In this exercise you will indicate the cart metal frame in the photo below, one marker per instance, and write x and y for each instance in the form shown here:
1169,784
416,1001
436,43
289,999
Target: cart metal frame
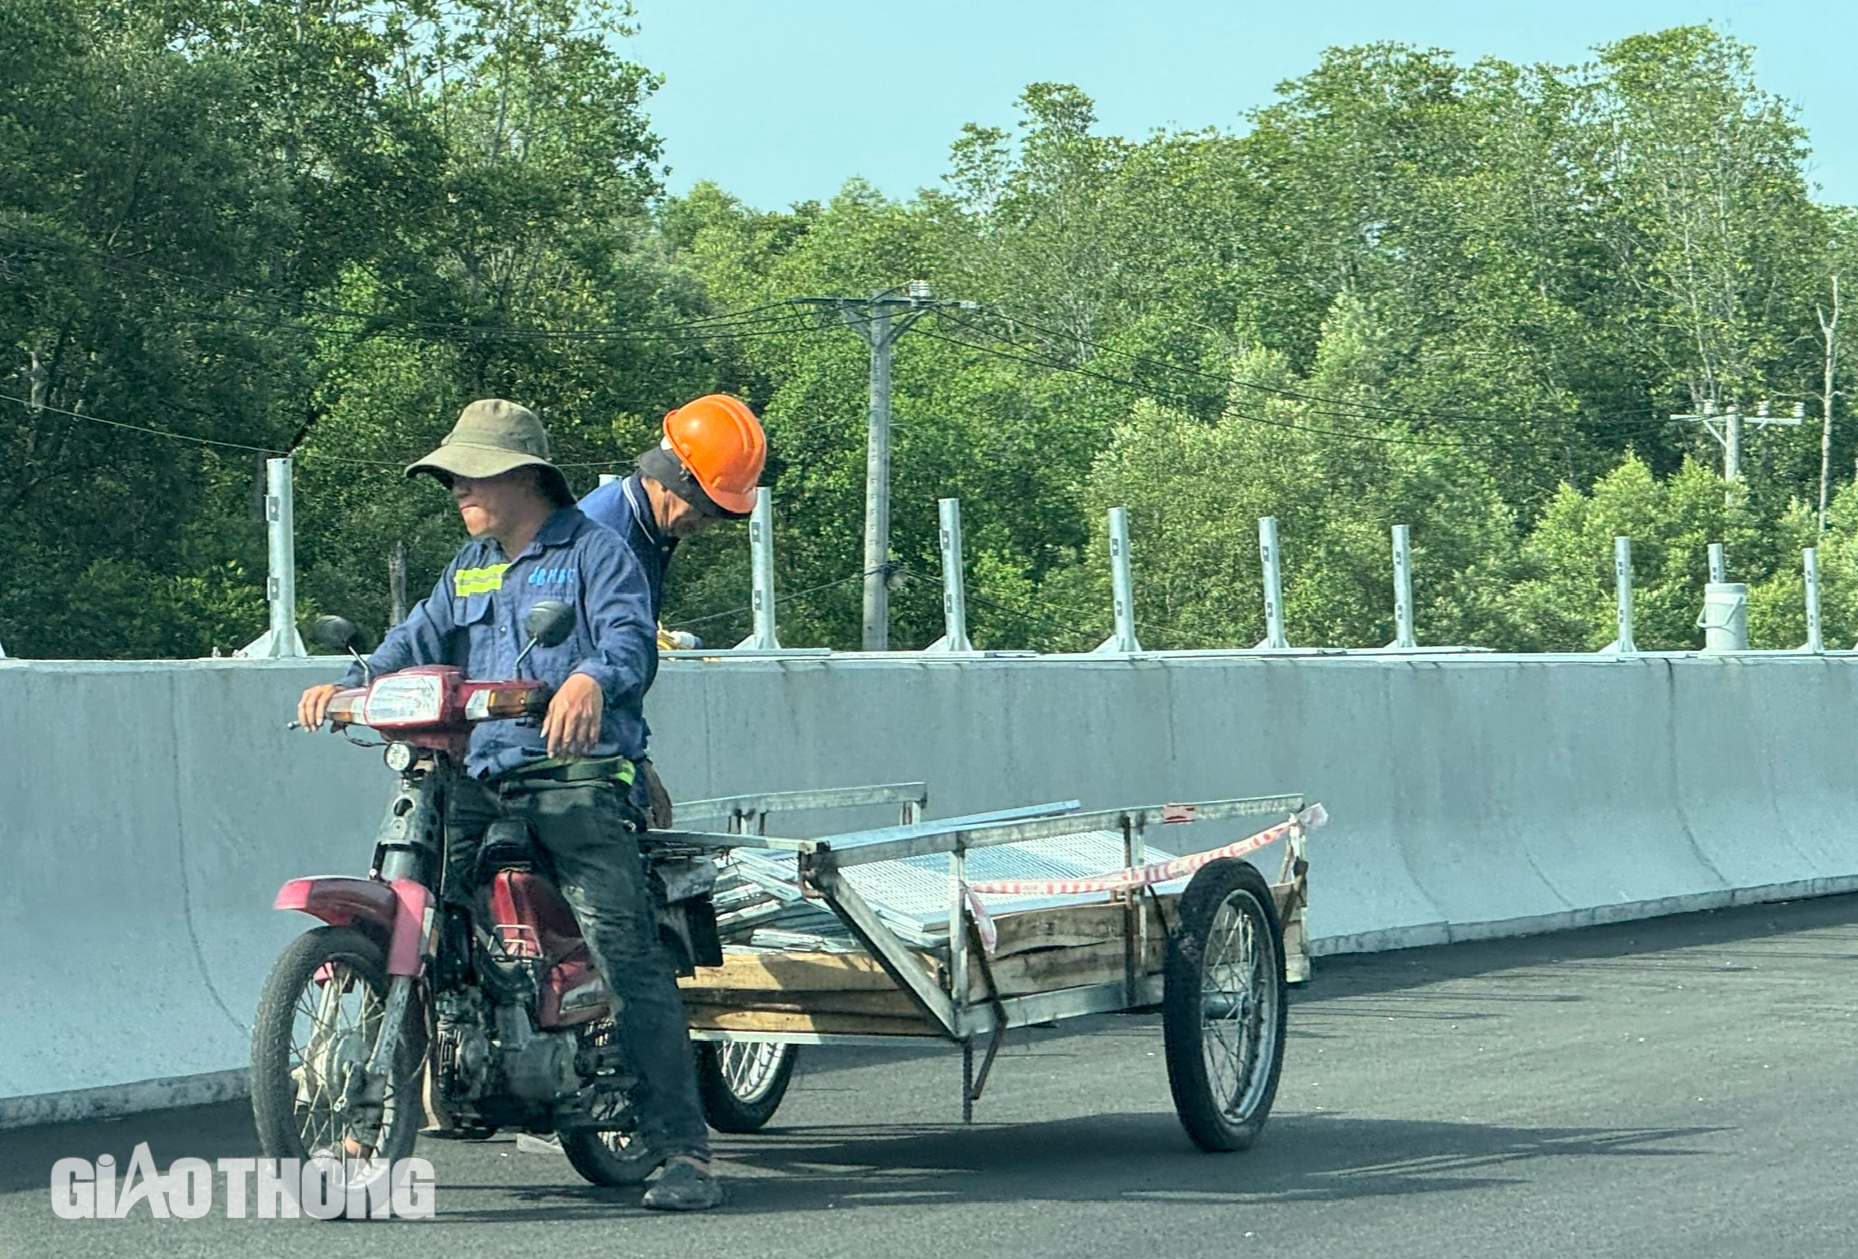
944,998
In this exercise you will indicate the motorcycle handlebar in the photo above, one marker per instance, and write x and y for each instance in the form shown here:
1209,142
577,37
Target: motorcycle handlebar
532,706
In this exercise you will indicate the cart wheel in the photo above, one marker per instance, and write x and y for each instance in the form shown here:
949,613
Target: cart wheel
1223,1006
742,1082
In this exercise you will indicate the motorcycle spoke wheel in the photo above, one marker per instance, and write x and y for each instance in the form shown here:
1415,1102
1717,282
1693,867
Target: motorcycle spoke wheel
741,1083
320,1017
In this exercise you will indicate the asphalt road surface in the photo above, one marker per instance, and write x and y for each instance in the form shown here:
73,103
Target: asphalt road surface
1681,1087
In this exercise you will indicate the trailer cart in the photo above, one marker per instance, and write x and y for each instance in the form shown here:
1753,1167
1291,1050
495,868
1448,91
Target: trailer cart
961,929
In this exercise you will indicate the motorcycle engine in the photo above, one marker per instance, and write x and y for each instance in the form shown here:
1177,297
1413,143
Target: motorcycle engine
462,1051
536,1066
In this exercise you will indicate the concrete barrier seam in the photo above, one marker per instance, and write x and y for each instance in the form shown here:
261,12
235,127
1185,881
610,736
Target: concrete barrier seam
187,886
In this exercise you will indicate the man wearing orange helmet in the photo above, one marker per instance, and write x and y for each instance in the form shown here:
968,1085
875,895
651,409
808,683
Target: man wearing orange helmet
703,471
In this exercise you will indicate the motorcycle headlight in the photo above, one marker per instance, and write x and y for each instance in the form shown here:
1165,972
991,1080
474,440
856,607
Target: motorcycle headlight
404,701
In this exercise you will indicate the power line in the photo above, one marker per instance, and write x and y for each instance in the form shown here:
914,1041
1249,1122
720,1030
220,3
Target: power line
142,428
1348,409
879,320
798,594
766,319
1229,411
1519,434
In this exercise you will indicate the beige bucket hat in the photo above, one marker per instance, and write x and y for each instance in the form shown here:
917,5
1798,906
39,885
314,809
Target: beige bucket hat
494,436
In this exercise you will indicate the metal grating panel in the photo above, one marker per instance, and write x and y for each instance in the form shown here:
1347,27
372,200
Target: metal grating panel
912,895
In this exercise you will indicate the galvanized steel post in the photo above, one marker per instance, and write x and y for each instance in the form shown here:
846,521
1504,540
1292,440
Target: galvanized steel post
1273,585
1815,643
1622,593
761,573
281,543
1403,588
1122,586
954,586
1719,567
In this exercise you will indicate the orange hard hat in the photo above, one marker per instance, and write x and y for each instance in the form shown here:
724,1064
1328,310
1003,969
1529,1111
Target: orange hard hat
719,440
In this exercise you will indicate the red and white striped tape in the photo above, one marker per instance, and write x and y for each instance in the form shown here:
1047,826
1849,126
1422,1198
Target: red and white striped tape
1135,876
1159,872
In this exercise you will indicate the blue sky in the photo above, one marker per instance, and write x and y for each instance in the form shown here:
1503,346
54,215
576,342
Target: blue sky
784,100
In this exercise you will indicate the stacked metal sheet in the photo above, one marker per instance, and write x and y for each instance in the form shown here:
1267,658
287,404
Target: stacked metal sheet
759,903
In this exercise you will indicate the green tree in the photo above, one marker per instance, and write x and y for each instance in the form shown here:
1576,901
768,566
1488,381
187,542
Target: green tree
1566,603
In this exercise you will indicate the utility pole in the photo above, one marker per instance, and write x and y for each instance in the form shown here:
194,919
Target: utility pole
880,319
1829,329
1726,428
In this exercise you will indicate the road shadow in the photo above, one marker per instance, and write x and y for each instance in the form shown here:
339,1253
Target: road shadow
1134,1158
221,1130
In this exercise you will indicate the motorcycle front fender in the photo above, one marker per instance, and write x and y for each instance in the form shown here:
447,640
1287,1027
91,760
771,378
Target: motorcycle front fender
400,912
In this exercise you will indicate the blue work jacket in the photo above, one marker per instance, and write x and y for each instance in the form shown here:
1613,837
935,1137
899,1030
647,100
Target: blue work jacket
623,507
474,619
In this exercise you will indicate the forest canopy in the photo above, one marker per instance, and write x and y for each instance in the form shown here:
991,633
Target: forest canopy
1469,297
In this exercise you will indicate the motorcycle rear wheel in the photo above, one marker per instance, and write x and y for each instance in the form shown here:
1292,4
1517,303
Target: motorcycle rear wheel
606,1156
319,1016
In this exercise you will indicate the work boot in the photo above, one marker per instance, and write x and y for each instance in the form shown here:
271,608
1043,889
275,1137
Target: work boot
684,1184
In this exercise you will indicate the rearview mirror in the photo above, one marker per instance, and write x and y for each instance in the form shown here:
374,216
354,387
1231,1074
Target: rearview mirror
335,633
549,622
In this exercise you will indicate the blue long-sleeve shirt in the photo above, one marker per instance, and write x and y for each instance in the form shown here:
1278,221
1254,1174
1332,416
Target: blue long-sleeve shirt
624,507
474,619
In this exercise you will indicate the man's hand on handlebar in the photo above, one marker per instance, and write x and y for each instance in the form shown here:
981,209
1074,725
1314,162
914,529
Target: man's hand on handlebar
313,706
572,726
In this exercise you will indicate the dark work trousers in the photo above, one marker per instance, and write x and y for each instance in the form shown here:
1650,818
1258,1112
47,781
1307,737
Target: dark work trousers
588,831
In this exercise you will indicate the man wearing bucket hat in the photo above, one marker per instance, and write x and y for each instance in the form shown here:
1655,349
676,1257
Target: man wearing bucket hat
570,778
703,471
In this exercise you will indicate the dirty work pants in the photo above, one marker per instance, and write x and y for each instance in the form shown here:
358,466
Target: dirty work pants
587,830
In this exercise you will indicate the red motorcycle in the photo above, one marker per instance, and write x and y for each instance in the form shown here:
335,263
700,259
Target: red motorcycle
402,1013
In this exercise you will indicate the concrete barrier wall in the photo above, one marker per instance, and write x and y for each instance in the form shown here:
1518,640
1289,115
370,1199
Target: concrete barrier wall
148,812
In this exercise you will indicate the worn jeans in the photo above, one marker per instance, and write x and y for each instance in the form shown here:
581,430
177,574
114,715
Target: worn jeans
588,831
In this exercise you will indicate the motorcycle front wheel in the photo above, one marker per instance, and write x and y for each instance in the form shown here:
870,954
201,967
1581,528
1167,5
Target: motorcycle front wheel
319,1018
741,1083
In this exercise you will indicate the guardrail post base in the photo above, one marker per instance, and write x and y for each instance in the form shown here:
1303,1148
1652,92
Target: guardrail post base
282,640
1622,644
1122,587
954,582
1404,636
761,573
1268,558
